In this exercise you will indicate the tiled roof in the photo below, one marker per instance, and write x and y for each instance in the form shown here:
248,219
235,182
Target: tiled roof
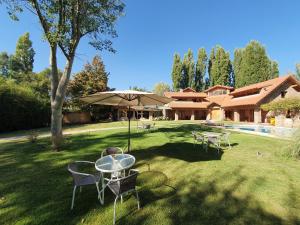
267,88
218,99
185,94
188,105
219,87
251,98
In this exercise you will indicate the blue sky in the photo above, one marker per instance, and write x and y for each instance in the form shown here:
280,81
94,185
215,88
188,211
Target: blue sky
152,30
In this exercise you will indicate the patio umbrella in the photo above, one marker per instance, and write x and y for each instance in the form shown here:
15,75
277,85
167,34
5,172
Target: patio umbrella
128,98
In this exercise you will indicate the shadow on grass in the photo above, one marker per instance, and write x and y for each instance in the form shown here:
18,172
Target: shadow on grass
208,203
36,188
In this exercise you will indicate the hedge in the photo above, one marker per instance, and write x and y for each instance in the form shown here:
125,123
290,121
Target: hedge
21,108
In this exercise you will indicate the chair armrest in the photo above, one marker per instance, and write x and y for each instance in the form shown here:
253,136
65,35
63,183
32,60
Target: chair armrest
133,170
90,162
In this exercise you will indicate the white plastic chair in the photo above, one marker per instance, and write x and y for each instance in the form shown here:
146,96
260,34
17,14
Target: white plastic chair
198,138
214,140
225,138
83,179
124,186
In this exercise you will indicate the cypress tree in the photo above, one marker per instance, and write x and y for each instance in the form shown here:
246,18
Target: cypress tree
255,65
176,72
298,71
210,64
237,61
220,67
200,70
188,70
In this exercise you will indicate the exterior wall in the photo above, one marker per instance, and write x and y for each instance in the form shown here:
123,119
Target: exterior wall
77,118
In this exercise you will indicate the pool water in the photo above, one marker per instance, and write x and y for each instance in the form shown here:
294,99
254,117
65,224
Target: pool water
264,129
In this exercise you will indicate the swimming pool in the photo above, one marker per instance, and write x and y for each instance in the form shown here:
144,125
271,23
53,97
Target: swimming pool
263,130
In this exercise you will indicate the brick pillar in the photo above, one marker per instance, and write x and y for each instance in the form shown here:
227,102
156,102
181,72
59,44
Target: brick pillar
150,115
208,115
257,115
193,115
236,116
176,115
118,115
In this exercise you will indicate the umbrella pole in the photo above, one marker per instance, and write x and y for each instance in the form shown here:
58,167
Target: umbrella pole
129,129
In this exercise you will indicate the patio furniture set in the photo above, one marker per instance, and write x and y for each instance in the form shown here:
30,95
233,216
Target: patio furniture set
110,172
214,138
145,127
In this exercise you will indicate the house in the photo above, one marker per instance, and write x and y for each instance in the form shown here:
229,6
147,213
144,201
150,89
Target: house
223,102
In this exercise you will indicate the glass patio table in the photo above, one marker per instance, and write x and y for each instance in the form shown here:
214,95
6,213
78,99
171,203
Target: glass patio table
113,164
211,134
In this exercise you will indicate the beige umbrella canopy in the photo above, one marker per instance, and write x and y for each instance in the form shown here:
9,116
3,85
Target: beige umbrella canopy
127,98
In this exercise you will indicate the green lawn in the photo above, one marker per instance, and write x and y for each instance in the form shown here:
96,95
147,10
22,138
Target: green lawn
233,187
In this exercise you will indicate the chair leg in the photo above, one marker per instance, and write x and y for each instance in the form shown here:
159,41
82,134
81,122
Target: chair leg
99,194
73,197
229,144
122,199
114,222
138,199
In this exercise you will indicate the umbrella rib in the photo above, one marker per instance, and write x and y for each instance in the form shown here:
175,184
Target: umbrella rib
101,99
154,99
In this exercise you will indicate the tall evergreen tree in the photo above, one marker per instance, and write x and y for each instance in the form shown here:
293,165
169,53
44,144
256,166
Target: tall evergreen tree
188,70
200,70
237,61
220,67
24,55
211,61
176,72
254,66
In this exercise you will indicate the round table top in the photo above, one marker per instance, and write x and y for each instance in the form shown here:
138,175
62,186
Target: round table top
114,163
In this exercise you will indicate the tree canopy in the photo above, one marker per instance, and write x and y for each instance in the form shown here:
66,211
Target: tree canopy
176,72
160,88
64,24
252,65
200,70
219,67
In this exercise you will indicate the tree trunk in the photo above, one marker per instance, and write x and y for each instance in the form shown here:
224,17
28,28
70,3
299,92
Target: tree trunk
58,92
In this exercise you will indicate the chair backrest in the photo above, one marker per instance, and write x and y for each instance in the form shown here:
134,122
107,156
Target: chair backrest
77,176
226,135
213,139
111,151
122,185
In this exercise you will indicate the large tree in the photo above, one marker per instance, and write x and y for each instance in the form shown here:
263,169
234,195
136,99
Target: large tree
220,69
93,78
64,24
253,65
176,72
160,88
188,70
200,70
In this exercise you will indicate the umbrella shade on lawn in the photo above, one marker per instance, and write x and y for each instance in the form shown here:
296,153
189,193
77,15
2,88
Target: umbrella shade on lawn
128,98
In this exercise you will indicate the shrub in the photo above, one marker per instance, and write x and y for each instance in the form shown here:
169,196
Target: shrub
22,108
283,105
293,149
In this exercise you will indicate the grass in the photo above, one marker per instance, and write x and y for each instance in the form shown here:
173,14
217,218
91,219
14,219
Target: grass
87,127
186,185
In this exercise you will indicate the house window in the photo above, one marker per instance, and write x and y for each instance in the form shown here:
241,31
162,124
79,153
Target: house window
283,93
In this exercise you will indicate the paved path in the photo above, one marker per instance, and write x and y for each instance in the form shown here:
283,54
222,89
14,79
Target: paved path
47,134
65,133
